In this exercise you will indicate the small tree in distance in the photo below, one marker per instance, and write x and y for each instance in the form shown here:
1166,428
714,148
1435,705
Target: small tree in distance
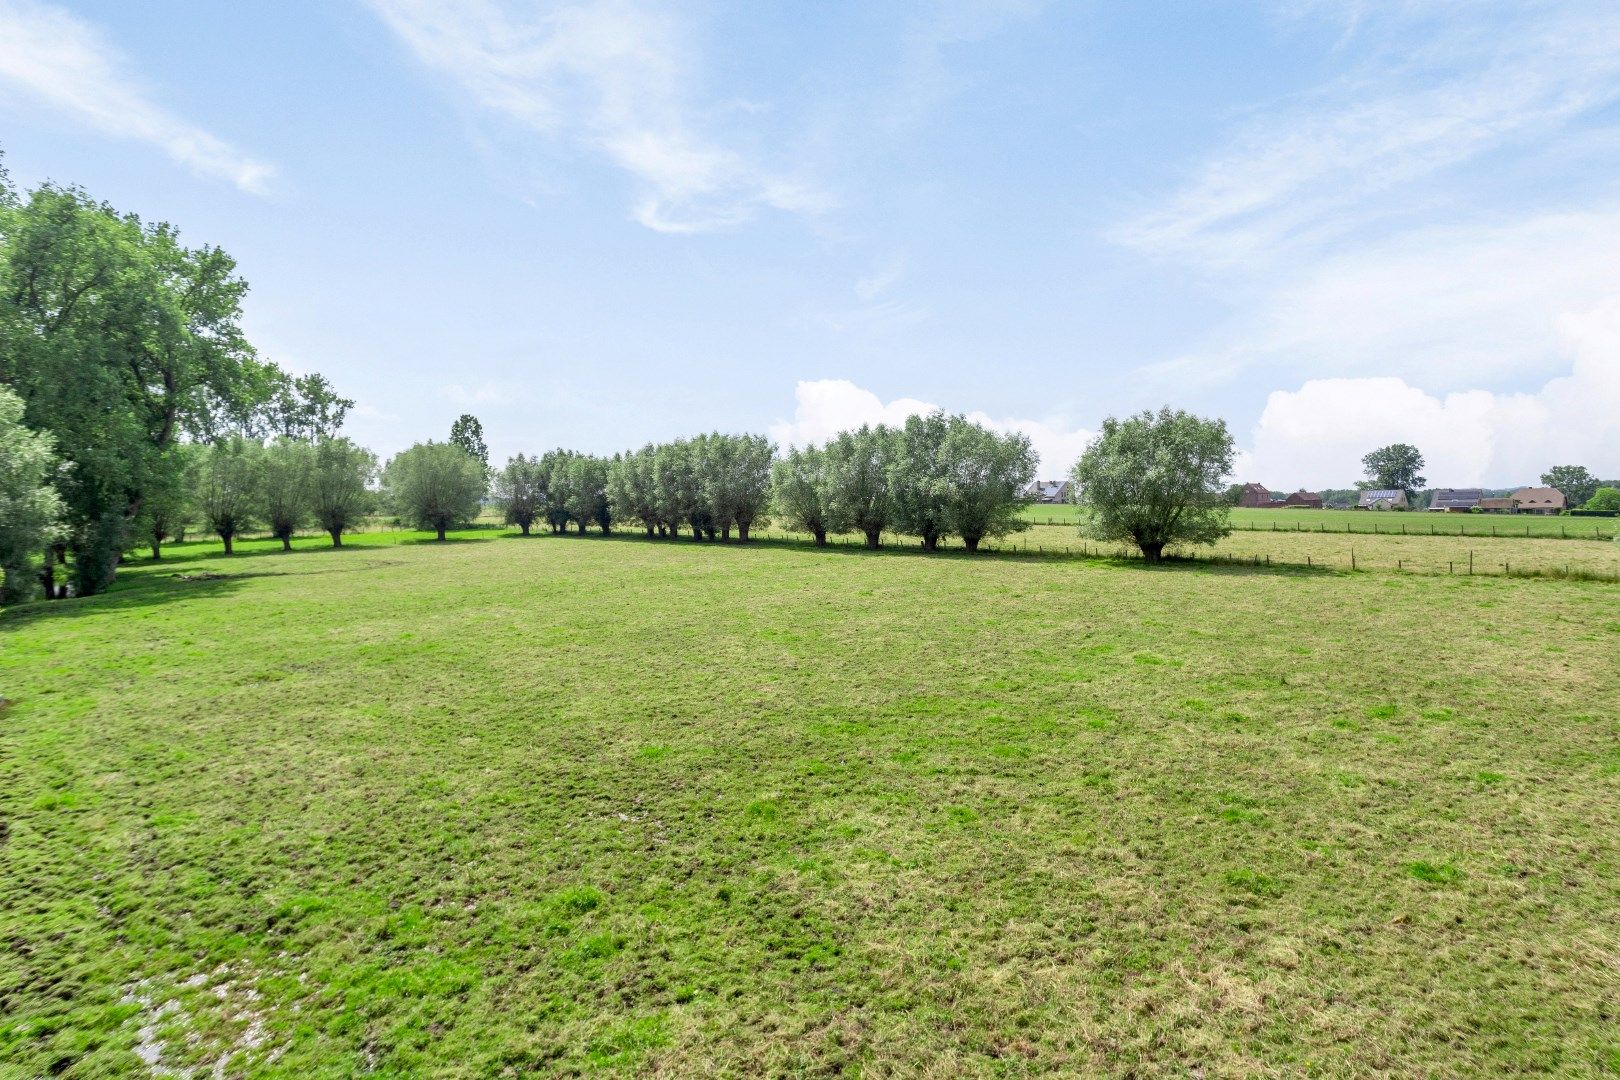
340,486
468,434
1157,479
434,485
1604,498
1394,468
520,489
1575,481
990,475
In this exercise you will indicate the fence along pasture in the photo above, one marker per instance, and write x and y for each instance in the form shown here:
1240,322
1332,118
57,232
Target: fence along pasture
1495,530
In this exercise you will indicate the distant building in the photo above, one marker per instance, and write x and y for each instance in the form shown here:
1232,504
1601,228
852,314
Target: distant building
1382,499
1309,499
1456,500
1255,495
1496,505
1538,500
1051,491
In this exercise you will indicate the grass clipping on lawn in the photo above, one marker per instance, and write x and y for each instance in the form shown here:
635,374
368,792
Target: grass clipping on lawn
565,804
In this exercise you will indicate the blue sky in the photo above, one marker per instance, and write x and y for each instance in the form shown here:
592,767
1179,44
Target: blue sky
1335,223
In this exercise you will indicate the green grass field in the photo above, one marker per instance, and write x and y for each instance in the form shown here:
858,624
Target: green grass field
571,805
1385,523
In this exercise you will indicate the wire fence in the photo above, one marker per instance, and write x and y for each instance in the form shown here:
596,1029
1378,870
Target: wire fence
1494,529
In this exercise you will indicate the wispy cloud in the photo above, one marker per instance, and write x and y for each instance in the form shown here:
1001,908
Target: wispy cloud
52,58
1345,154
609,74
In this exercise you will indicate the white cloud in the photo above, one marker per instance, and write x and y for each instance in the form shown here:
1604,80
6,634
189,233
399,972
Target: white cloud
50,57
1490,76
824,407
488,392
611,75
1317,434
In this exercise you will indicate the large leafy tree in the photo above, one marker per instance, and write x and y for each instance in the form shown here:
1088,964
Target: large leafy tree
736,481
287,467
1575,481
1604,498
340,492
558,479
860,466
120,341
468,434
678,486
631,488
801,485
1397,467
1157,479
435,485
520,490
229,487
989,477
30,508
921,478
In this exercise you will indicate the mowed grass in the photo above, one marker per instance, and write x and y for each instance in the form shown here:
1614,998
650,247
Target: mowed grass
1409,523
576,805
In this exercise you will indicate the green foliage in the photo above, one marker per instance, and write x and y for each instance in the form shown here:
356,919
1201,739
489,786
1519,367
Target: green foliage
989,476
230,487
1394,467
520,490
1156,480
921,478
801,485
339,486
1575,481
434,485
468,434
168,507
632,488
121,342
287,467
30,508
1603,498
860,467
305,407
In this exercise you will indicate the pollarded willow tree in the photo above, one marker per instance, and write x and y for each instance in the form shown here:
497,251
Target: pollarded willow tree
735,478
860,466
1157,479
990,475
921,477
631,488
167,506
284,476
340,494
801,487
30,509
585,492
229,487
519,488
435,485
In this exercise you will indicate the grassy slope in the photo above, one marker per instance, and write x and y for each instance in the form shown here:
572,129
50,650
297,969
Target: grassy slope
574,803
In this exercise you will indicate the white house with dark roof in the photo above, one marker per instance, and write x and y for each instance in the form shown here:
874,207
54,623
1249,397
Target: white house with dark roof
1382,499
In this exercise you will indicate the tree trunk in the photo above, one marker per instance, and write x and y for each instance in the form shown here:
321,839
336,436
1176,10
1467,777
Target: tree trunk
230,548
930,541
742,532
157,551
524,525
651,532
47,574
1152,552
874,538
440,528
725,532
337,537
821,537
970,542
286,543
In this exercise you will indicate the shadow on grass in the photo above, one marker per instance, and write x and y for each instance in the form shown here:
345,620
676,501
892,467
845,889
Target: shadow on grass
1170,563
138,592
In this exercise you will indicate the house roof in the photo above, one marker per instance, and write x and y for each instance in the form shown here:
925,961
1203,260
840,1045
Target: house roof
1539,496
1380,494
1457,497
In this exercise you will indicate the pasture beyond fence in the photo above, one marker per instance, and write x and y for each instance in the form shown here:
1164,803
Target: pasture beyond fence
1542,529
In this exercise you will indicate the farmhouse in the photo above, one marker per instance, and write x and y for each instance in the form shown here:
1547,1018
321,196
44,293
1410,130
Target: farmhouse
1051,491
1538,500
1308,499
1382,499
1255,495
1456,500
1496,506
